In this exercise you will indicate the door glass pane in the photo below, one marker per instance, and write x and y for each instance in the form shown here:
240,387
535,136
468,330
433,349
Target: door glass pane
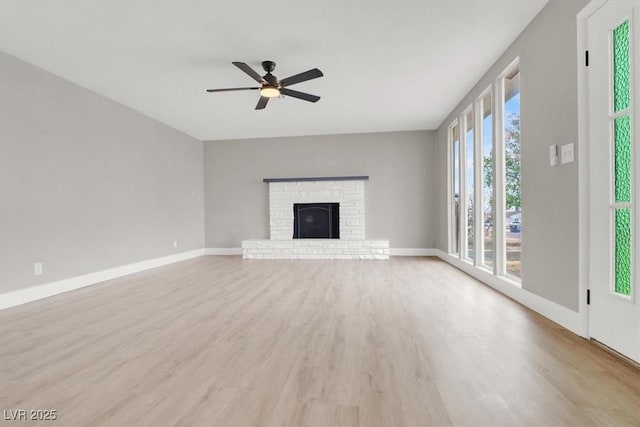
469,181
622,164
513,235
456,189
621,67
623,251
622,156
487,174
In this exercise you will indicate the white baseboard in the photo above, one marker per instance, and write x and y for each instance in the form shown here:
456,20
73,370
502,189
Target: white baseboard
223,251
394,251
559,314
22,296
414,252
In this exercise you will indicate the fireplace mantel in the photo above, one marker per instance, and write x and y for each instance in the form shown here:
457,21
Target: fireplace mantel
317,178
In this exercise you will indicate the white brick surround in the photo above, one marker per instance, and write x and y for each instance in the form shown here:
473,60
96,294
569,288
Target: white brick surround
350,195
348,192
315,249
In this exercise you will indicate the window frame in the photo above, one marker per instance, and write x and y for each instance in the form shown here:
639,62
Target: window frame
501,242
464,230
451,187
497,91
479,172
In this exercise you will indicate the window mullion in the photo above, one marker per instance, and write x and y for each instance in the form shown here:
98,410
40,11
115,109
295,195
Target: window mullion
450,189
478,211
499,266
463,186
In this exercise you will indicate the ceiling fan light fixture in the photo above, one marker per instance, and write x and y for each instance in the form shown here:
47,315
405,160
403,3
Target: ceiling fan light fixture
269,91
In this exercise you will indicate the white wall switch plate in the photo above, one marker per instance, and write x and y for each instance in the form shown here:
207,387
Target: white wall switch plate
175,243
567,153
553,155
37,268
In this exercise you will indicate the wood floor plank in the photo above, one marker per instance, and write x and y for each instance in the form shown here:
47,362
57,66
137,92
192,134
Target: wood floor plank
219,341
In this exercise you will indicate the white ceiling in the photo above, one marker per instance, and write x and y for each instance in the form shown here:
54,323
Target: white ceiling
388,65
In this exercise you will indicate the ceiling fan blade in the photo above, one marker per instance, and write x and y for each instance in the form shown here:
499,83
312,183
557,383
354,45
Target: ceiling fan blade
262,102
232,89
250,71
302,77
299,95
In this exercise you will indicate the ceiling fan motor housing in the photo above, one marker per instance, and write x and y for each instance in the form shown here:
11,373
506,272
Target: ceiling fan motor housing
268,66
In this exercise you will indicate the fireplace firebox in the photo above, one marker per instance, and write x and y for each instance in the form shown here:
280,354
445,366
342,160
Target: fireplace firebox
316,220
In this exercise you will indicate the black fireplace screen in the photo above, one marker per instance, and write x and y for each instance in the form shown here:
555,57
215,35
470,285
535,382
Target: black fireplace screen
316,221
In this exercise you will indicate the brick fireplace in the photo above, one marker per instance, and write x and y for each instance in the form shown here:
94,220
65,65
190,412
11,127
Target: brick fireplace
347,193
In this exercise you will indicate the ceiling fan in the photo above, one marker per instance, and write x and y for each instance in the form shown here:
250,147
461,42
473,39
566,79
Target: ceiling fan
271,87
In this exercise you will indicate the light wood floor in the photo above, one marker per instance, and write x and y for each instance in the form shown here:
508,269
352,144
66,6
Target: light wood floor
222,341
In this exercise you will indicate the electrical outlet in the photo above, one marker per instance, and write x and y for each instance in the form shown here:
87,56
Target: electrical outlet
37,268
175,243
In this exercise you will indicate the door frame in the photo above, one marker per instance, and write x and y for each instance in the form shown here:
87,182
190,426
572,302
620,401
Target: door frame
583,165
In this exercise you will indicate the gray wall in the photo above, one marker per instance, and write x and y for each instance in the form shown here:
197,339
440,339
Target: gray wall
87,184
400,194
548,63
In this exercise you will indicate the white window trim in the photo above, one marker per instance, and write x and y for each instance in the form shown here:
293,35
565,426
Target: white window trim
464,235
450,188
479,177
499,176
496,89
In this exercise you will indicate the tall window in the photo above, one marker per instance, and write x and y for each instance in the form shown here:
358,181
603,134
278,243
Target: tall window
513,209
469,183
455,197
486,223
488,219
